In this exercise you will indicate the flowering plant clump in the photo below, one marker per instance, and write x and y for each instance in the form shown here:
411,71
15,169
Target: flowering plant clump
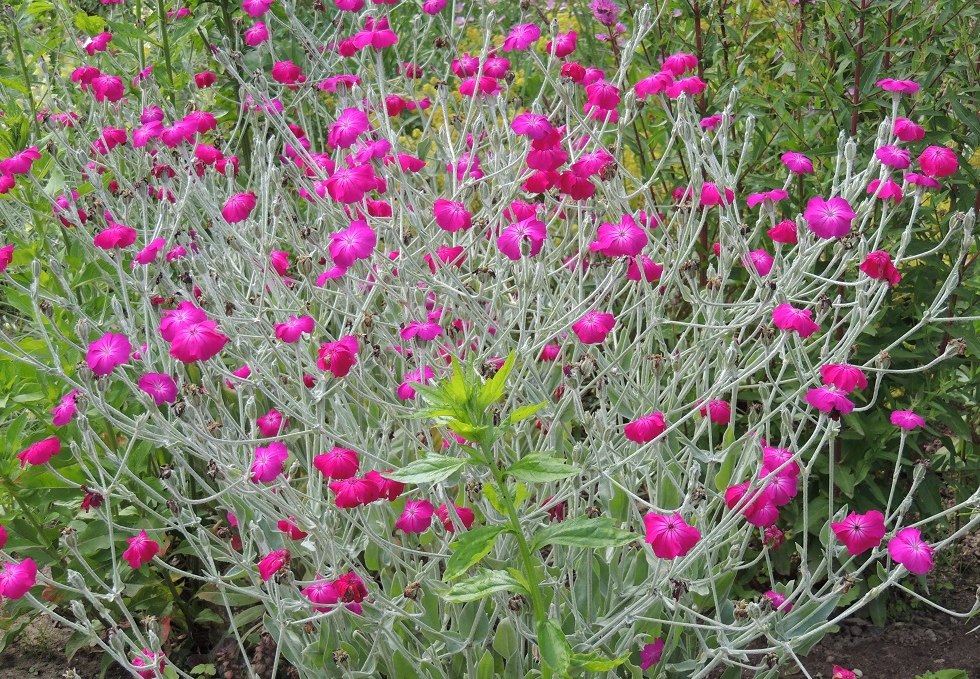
414,373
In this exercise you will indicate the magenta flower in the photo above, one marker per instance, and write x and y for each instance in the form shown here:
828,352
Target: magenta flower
532,125
292,330
186,313
115,236
416,518
465,514
154,662
269,462
606,12
389,489
845,377
256,34
898,86
829,218
425,331
646,428
256,8
141,550
655,83
6,257
878,265
718,411
337,464
908,549
860,532
63,413
160,386
451,216
594,327
885,190
643,268
651,653
353,243
521,37
893,156
433,7
351,123
921,180
197,341
107,352
841,673
907,420
770,197
679,63
670,535
760,261
563,44
40,452
205,79
354,492
907,131
938,161
788,317
338,357
757,506
272,563
3,536
711,195
829,400
525,237
289,527
781,488
238,207
271,423
376,34
150,252
797,163
17,578
107,87
405,391
779,601
20,163
618,240
322,594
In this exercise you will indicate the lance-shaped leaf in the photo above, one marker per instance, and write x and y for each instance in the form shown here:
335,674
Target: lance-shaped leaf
469,548
541,467
430,469
493,388
482,585
584,532
555,649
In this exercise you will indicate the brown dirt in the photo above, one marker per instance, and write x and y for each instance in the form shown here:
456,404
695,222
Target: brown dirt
39,653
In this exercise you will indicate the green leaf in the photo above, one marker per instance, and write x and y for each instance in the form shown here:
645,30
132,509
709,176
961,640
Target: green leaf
469,548
540,467
555,651
525,412
430,469
584,532
483,585
493,388
724,475
594,662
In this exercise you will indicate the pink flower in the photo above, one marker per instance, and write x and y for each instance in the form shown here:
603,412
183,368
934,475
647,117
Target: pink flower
160,386
416,518
272,563
617,240
256,34
115,236
829,400
718,411
6,257
150,252
788,317
829,218
779,601
186,313
338,357
643,268
63,413
141,550
679,62
322,594
759,509
760,261
3,537
337,464
525,237
433,7
770,197
651,653
908,549
350,124
451,216
376,34
465,514
16,579
878,265
197,341
841,673
238,207
426,331
893,157
353,243
845,377
563,44
938,161
670,535
594,327
898,86
921,180
107,352
860,532
692,87
271,423
885,190
154,662
906,130
107,88
354,492
711,195
423,376
521,37
269,461
41,452
907,420
532,125
797,163
287,73
20,163
289,527
256,8
646,428
292,330
388,489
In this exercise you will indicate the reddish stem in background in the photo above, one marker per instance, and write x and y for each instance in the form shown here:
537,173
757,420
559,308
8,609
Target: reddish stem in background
858,58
